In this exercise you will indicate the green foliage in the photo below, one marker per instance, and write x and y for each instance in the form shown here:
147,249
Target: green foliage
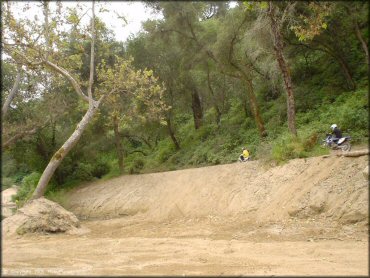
83,172
136,166
8,165
165,150
290,147
57,196
100,169
6,183
349,111
26,188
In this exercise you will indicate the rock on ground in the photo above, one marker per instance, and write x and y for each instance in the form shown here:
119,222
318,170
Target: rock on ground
40,216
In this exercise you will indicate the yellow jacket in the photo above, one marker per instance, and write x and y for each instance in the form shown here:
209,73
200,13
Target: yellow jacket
245,154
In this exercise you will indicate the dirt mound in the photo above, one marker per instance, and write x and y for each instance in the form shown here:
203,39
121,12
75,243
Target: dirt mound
40,216
325,187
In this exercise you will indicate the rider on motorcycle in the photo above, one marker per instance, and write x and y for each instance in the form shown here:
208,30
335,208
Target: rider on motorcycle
337,133
245,155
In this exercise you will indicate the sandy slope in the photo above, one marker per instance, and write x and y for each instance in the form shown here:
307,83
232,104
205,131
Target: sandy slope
331,187
308,217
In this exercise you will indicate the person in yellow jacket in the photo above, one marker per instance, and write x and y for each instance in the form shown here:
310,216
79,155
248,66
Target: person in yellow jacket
244,156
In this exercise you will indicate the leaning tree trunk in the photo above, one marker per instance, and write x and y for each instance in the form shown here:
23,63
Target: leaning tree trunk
13,91
172,133
278,47
254,106
214,102
62,152
196,105
363,42
351,83
119,148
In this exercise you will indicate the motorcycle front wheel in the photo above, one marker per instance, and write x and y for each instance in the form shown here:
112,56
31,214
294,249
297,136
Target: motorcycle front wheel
346,147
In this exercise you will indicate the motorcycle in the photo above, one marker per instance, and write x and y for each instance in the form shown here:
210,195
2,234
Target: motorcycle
342,144
242,159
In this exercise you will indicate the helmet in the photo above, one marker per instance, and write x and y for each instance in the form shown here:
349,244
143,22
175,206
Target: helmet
333,126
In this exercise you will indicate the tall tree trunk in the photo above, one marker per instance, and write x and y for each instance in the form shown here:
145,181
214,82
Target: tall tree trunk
245,107
58,157
172,133
352,13
362,41
196,105
254,106
278,47
214,102
351,83
12,92
118,142
54,127
245,77
338,53
170,127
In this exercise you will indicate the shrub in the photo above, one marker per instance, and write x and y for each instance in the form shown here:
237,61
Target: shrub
137,165
165,150
9,166
310,142
100,169
57,196
6,183
83,172
27,187
288,147
213,159
204,132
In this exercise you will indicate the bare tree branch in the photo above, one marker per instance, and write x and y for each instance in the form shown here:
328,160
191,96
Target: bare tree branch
14,53
13,91
23,134
46,26
66,74
92,55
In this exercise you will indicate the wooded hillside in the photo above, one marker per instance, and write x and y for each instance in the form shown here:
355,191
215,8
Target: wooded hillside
190,89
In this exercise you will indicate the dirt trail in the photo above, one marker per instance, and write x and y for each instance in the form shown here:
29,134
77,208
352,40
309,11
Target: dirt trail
308,217
7,205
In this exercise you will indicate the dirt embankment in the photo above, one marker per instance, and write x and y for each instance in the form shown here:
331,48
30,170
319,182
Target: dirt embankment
319,187
308,217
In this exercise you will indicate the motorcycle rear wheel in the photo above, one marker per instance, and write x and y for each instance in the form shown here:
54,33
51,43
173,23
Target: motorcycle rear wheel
345,146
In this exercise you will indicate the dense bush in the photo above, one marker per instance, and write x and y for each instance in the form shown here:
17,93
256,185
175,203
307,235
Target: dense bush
83,172
27,187
100,169
6,183
137,165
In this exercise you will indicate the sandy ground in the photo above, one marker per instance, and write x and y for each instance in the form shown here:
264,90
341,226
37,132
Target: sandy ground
193,247
308,217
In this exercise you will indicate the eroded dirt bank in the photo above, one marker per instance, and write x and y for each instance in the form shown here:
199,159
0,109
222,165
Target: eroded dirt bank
308,217
332,187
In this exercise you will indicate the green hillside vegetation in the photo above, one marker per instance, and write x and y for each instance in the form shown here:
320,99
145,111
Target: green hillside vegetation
209,59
